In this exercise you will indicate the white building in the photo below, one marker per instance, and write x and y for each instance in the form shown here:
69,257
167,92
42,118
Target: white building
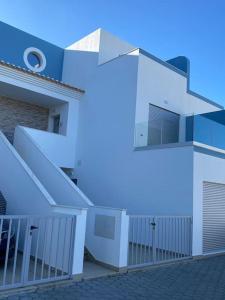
121,123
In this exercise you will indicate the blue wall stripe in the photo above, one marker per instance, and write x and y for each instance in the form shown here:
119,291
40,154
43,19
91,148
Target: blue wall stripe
15,41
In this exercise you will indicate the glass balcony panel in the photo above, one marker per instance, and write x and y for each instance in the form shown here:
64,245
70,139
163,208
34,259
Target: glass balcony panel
207,129
170,132
156,133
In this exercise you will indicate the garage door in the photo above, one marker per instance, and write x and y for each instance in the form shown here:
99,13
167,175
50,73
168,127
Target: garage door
213,217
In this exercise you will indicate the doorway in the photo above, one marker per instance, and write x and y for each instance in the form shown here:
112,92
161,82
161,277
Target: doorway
56,123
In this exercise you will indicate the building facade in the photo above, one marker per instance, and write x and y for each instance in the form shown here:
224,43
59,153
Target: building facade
121,124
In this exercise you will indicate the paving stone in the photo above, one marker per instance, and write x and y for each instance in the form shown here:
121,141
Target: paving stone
196,280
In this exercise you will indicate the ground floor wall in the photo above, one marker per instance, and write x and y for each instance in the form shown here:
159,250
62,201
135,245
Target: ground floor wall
209,166
13,113
155,182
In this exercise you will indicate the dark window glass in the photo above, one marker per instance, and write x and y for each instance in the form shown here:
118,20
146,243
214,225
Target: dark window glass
56,123
163,126
34,60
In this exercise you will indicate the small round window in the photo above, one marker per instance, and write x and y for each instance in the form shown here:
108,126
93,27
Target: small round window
34,59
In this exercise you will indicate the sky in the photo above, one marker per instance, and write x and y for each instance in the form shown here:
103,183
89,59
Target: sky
165,28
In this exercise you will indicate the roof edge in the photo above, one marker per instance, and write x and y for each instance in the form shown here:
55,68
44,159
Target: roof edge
205,99
41,76
162,62
186,75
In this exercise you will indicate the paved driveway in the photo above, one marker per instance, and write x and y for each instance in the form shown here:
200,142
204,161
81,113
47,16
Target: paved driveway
200,280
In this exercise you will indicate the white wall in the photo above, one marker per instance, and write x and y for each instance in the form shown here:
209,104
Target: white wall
107,45
79,67
207,167
24,193
111,251
118,92
111,46
58,184
58,148
88,43
82,58
163,87
109,171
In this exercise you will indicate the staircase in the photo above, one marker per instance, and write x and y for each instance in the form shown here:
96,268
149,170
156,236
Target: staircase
35,186
56,182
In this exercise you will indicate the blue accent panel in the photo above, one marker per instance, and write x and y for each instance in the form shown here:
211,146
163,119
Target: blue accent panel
15,42
217,116
189,128
207,129
209,152
181,62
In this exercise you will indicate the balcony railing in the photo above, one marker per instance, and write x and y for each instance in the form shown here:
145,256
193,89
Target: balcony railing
156,133
207,129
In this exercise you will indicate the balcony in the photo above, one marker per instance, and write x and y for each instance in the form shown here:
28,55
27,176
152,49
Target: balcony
156,133
208,129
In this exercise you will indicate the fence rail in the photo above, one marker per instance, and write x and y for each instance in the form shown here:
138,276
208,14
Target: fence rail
157,239
35,249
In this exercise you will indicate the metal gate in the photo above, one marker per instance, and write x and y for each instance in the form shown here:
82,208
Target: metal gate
157,239
35,249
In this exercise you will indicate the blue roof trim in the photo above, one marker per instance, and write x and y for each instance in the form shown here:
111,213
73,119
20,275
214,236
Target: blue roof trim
209,152
3,63
204,99
162,62
17,41
186,75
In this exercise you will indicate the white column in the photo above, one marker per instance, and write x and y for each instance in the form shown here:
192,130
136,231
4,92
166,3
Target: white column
78,237
79,241
124,240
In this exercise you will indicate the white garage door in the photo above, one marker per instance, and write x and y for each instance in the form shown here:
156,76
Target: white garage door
213,217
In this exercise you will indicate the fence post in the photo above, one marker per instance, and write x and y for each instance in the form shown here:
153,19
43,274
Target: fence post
124,240
79,241
153,224
26,253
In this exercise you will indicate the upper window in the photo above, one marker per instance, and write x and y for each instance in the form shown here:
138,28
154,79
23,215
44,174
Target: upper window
34,59
163,126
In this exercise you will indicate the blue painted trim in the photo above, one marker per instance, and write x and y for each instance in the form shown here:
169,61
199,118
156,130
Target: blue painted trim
189,129
16,41
204,99
186,75
209,152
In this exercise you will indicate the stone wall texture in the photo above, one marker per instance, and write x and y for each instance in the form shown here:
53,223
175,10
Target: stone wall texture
13,113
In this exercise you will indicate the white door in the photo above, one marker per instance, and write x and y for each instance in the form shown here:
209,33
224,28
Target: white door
213,217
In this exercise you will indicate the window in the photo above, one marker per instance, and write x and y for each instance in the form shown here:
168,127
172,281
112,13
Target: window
56,123
34,59
163,126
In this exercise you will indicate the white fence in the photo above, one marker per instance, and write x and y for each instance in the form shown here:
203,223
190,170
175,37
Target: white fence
156,239
35,249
